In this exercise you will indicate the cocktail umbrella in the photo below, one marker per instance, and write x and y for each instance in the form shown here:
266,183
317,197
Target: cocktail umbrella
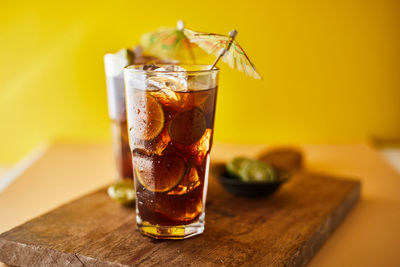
169,44
225,47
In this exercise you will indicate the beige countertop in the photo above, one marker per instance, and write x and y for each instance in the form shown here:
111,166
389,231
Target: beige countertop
369,236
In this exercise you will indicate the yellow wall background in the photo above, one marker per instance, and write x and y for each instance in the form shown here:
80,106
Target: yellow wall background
330,68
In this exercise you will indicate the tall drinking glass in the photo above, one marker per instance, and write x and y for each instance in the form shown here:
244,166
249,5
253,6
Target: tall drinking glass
114,65
170,114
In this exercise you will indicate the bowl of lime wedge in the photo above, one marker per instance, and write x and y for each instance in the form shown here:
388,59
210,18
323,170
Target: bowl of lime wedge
248,177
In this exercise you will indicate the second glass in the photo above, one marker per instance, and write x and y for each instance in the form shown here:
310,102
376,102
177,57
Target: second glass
170,115
114,65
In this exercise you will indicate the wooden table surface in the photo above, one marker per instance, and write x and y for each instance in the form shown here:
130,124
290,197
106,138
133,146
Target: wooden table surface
369,236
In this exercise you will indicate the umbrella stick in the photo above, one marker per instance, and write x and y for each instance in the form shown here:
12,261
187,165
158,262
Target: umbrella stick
232,34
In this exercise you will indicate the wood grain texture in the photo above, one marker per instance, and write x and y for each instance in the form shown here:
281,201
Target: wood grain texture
285,229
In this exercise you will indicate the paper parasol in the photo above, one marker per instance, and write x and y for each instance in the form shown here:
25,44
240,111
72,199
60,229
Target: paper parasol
226,47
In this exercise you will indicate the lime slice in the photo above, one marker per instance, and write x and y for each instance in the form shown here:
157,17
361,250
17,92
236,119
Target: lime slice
147,118
188,126
257,171
249,170
159,173
123,192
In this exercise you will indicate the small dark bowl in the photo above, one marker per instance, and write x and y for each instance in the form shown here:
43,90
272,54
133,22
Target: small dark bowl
249,189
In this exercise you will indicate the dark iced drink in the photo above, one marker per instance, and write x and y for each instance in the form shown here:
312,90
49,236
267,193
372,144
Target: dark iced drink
170,111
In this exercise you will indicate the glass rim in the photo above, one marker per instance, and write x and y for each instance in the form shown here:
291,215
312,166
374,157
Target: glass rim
135,69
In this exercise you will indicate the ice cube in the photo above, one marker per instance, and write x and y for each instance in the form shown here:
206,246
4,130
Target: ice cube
171,68
150,147
201,82
200,149
190,182
163,83
149,67
176,77
166,90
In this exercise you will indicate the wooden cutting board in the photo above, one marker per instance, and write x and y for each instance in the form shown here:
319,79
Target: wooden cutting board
285,229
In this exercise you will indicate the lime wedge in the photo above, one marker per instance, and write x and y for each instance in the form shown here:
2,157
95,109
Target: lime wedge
123,192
